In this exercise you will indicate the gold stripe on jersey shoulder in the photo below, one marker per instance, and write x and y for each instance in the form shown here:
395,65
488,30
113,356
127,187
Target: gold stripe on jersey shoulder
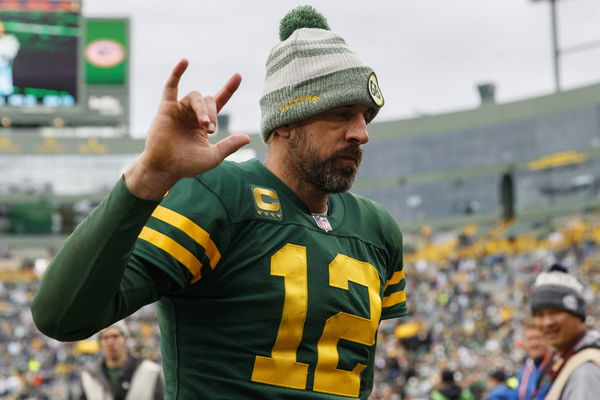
174,249
394,299
396,278
191,229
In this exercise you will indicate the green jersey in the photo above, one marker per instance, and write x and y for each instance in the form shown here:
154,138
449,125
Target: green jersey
271,301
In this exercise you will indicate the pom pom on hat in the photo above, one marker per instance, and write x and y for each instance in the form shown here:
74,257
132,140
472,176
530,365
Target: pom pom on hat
558,267
301,17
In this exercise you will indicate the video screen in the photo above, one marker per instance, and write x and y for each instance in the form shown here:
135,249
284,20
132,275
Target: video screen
38,58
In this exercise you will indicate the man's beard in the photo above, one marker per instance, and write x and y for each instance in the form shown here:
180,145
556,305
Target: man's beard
323,173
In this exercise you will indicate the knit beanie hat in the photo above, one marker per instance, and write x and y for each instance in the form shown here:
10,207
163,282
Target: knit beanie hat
558,289
120,325
313,70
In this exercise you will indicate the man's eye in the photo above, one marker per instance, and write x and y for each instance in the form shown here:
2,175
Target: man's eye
343,115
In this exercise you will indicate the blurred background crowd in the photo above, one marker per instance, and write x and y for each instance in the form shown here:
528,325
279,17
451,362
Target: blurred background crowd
468,297
33,366
467,292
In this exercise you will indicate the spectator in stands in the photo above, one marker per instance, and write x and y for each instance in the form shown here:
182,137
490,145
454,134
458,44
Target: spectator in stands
449,389
539,354
558,306
499,389
119,374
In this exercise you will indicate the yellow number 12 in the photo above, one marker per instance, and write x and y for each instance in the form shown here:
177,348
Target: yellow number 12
282,369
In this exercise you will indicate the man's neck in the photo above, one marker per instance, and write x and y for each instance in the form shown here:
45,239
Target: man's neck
565,350
117,362
539,360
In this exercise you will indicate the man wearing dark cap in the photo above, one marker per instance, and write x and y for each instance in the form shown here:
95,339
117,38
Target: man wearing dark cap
448,389
558,307
498,387
270,278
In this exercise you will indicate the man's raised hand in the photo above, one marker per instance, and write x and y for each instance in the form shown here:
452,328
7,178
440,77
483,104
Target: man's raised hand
177,144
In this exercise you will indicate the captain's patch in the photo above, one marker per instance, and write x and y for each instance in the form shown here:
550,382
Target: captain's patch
266,203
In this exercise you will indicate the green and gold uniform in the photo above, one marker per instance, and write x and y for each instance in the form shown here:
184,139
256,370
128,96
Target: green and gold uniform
261,303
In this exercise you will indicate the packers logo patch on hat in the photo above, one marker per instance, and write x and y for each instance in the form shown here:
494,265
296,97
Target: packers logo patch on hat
570,302
374,90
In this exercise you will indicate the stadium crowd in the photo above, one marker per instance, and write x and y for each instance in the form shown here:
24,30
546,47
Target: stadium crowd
467,291
468,298
33,366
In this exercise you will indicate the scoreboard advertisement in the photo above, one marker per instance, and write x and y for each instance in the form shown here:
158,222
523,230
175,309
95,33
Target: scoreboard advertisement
105,53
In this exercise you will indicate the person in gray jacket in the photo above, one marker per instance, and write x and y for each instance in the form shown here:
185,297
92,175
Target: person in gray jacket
558,307
119,375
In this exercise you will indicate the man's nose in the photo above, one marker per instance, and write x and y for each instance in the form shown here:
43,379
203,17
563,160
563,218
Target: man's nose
357,131
544,320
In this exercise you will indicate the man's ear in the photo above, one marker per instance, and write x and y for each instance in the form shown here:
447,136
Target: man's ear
283,131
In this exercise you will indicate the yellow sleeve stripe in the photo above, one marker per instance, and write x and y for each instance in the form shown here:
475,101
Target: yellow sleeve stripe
191,229
174,249
394,298
396,278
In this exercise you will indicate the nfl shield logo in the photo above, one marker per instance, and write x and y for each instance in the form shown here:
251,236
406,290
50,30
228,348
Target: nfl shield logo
322,222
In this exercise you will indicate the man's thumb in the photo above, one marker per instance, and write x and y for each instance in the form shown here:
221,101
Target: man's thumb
231,144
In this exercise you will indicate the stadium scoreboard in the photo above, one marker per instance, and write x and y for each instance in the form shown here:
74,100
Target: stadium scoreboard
60,69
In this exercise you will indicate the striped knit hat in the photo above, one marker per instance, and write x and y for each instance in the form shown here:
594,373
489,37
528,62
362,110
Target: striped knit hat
558,289
313,70
120,325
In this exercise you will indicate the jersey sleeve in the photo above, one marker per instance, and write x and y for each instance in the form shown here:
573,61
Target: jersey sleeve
394,295
185,233
92,282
